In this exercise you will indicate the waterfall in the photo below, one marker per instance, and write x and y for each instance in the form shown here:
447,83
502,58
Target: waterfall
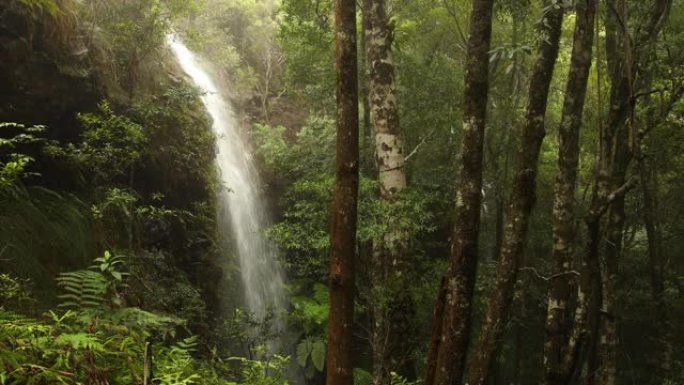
242,211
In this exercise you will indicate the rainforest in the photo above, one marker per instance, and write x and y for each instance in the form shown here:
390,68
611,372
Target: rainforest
342,192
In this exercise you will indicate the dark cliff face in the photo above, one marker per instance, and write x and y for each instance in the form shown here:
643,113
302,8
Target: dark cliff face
44,69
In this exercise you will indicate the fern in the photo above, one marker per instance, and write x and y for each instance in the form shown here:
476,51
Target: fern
175,366
80,341
93,288
14,326
188,344
84,289
137,319
40,226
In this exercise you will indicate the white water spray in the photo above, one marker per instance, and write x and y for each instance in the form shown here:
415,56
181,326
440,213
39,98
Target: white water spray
241,205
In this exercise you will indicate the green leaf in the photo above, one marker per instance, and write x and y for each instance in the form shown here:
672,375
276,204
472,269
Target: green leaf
318,355
303,352
362,377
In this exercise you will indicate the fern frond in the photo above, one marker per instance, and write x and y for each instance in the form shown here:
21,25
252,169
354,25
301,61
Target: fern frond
80,341
82,289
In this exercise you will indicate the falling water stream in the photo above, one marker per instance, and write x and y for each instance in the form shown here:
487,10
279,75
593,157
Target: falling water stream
242,211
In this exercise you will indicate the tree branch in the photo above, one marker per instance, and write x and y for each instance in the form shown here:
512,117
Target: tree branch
413,152
603,204
549,278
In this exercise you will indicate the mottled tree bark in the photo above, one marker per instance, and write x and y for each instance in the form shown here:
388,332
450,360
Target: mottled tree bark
522,198
391,303
384,111
345,197
460,278
564,199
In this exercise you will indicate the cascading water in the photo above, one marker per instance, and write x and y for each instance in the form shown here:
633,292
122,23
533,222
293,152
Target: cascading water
241,204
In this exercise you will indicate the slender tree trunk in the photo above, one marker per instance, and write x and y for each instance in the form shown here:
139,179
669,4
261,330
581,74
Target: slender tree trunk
500,146
345,197
564,198
614,158
460,278
648,177
619,143
499,213
650,215
612,255
657,270
520,369
392,307
364,85
437,323
583,346
521,201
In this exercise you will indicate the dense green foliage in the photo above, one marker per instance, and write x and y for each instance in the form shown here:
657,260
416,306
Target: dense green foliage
104,145
99,339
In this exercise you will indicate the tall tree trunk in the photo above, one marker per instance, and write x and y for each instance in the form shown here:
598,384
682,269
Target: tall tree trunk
437,324
648,177
391,307
564,197
614,157
648,181
364,87
619,142
454,335
582,345
522,198
657,270
385,114
608,316
345,200
499,214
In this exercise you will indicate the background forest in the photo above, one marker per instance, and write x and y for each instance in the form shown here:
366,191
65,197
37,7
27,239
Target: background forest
113,269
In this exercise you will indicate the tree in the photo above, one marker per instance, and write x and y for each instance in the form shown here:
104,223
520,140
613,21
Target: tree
345,197
391,302
564,198
522,197
450,341
648,181
628,61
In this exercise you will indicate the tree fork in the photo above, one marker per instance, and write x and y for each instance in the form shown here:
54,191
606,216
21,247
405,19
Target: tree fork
564,196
